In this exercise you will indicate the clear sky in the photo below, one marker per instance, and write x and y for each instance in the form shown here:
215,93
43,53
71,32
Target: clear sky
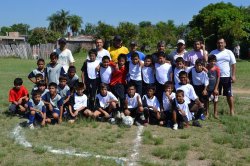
35,12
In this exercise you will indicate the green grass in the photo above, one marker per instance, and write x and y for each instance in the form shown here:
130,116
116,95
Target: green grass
219,142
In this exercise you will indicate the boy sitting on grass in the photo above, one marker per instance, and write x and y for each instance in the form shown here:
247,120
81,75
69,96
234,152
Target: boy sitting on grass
133,106
54,104
105,103
78,103
18,96
37,110
180,111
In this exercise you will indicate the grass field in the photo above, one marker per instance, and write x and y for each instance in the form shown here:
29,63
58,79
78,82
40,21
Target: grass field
219,142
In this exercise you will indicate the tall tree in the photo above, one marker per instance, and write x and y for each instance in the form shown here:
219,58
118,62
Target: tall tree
59,21
128,31
23,29
105,31
90,29
75,23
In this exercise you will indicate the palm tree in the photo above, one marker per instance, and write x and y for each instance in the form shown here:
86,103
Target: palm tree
75,23
59,21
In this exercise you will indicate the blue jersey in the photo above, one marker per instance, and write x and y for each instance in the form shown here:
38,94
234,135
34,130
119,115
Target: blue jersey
35,72
39,106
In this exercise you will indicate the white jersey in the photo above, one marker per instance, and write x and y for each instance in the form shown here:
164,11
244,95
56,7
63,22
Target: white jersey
189,93
101,54
162,72
132,101
177,71
91,69
200,78
225,59
148,75
80,101
135,71
65,58
151,102
105,74
166,103
103,100
184,107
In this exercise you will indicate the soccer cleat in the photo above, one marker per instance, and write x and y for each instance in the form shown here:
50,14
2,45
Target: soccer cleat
31,126
175,127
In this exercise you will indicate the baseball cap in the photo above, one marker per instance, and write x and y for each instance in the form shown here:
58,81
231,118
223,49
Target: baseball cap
181,41
62,40
117,38
133,43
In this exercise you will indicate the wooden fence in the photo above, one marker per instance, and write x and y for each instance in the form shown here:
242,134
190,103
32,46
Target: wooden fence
26,51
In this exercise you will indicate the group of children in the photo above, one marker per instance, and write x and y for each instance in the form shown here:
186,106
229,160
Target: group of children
151,93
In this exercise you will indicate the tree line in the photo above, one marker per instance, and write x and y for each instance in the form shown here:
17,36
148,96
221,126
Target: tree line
213,21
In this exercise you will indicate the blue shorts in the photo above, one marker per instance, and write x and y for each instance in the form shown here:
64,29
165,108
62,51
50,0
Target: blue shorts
226,85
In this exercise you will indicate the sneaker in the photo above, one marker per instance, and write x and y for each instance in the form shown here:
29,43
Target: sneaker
202,117
31,126
175,127
112,121
196,123
211,98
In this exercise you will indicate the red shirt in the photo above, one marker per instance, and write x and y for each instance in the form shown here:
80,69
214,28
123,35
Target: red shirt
15,95
118,75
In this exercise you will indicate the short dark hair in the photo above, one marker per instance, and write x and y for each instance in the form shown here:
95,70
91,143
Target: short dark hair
35,93
72,69
103,85
122,56
212,58
134,54
151,87
161,54
62,78
148,57
53,54
183,73
39,75
40,60
179,59
130,85
199,62
92,51
80,85
53,84
168,84
105,58
18,81
180,92
41,83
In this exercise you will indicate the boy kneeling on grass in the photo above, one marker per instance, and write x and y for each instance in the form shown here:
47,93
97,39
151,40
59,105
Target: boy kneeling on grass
18,96
180,111
54,104
105,104
78,103
37,110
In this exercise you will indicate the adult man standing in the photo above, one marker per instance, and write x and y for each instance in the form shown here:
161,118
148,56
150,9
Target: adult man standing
117,48
179,52
227,64
133,48
65,58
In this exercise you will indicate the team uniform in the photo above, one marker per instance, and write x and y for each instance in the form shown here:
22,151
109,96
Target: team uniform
35,72
102,101
76,101
65,58
101,54
40,110
56,102
54,72
176,72
72,82
167,106
225,59
148,77
184,107
133,104
105,74
135,76
148,112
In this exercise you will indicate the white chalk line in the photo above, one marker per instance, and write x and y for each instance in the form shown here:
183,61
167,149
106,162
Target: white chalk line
20,139
137,142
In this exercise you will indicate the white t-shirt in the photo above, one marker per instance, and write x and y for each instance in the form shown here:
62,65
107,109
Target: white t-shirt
225,59
135,71
167,104
105,74
65,58
162,72
80,101
189,93
152,102
148,75
174,55
91,69
184,107
200,78
193,55
104,99
101,54
132,101
177,71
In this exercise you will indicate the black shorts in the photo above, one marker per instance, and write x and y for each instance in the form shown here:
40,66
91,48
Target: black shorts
133,112
198,90
226,85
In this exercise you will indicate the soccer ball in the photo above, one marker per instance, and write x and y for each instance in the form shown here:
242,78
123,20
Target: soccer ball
128,121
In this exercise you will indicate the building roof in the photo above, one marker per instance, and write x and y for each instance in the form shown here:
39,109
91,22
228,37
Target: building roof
11,38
